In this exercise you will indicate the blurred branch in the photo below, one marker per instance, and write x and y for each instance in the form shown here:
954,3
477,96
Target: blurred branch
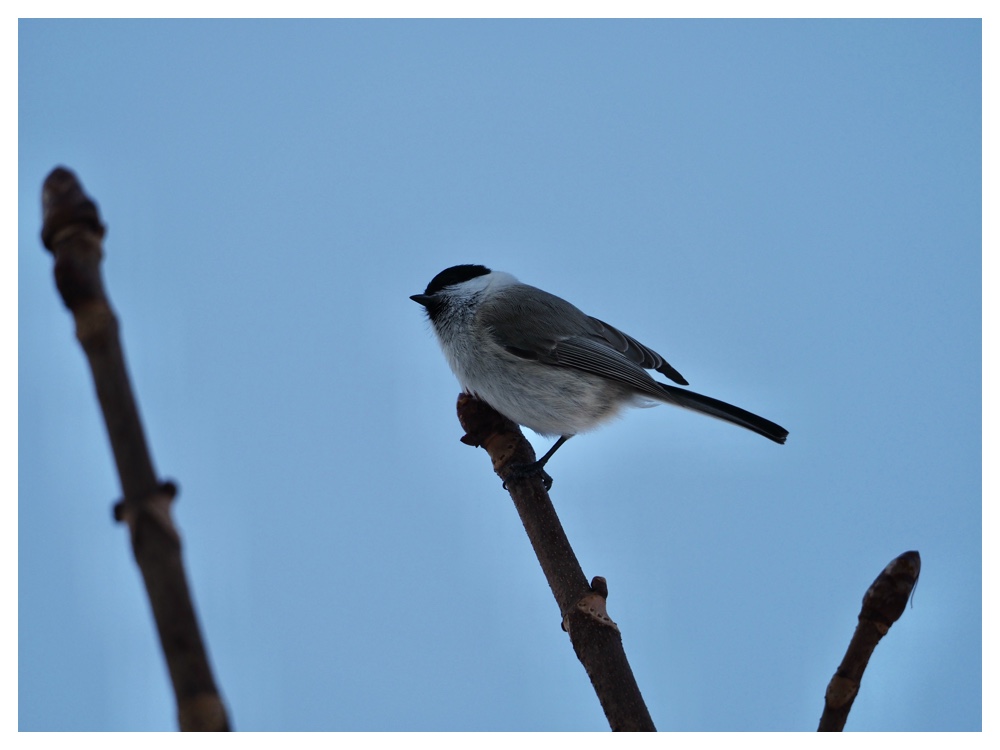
595,637
882,605
73,233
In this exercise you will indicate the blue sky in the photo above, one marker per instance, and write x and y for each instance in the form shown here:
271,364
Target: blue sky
788,211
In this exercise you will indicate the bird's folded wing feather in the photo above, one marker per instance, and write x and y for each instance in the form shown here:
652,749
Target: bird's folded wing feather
588,355
641,355
511,324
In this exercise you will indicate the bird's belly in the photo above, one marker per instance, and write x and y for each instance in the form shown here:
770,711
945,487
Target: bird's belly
549,400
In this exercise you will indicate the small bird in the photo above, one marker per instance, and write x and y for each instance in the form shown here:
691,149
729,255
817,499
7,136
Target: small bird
545,364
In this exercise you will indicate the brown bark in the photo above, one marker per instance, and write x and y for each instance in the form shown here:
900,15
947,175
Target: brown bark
72,231
884,602
595,637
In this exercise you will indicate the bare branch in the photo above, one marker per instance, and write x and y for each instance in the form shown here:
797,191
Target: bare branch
73,233
595,637
884,602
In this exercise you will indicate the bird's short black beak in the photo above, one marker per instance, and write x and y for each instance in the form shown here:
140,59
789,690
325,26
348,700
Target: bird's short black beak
422,299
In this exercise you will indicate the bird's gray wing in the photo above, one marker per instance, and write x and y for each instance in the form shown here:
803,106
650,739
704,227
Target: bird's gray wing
510,318
548,329
641,355
589,355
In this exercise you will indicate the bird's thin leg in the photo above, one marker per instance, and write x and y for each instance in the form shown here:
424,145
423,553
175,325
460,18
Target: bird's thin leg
538,467
540,463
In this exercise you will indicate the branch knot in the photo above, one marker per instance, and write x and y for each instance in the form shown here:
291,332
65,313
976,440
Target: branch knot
155,506
593,606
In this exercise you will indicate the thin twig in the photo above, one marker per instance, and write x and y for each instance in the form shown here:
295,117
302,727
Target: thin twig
72,231
595,637
884,602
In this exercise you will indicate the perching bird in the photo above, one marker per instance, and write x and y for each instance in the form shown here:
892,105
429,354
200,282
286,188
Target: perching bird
546,365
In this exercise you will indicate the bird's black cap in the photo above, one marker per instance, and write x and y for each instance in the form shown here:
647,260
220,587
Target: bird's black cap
454,275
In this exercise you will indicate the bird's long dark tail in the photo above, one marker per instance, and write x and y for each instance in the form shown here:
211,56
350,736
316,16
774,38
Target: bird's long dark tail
721,410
